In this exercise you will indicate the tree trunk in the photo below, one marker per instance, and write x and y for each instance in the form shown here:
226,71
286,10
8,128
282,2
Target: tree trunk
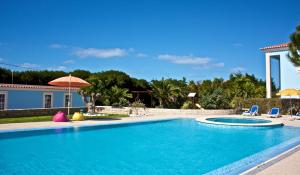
93,101
160,102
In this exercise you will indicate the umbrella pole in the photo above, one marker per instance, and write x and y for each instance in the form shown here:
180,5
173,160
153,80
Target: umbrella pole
69,95
291,106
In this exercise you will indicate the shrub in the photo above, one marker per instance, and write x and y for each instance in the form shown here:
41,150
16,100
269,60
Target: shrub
138,104
115,105
106,102
123,102
265,104
216,100
187,105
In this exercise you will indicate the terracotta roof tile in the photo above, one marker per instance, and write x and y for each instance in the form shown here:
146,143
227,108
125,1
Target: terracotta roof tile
41,87
275,47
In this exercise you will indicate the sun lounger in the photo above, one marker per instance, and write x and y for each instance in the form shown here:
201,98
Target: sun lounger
252,111
274,113
297,116
138,113
198,106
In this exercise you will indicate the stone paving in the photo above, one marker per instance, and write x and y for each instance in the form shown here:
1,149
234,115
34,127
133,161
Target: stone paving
50,124
288,166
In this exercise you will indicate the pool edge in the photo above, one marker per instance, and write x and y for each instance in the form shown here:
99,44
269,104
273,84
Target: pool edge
271,124
257,162
88,125
272,161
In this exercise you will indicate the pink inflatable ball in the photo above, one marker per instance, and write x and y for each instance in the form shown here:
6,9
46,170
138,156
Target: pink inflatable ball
60,117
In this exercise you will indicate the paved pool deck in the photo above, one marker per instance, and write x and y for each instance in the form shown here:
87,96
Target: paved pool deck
50,124
289,165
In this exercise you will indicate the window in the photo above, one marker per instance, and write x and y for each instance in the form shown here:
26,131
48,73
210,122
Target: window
67,99
3,100
48,101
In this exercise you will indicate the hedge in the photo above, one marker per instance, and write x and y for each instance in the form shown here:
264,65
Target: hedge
265,104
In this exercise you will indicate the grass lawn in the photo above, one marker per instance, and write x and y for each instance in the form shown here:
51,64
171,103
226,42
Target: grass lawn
49,118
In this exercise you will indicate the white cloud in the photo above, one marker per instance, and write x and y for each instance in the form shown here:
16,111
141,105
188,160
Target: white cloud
210,65
193,60
238,69
57,46
69,62
100,53
1,59
57,68
197,62
29,65
141,55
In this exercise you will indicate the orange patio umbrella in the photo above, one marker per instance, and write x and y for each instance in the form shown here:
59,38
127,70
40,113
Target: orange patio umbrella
69,81
289,92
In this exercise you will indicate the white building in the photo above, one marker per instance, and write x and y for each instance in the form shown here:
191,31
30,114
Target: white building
289,76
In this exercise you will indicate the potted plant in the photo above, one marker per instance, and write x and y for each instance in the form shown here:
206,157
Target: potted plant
137,108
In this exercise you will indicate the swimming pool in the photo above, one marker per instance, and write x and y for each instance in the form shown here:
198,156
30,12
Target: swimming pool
182,146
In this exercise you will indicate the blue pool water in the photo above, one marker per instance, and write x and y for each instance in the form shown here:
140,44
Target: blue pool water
182,147
238,120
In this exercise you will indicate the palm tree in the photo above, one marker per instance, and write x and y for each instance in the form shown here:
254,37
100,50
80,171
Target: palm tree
117,93
164,91
294,47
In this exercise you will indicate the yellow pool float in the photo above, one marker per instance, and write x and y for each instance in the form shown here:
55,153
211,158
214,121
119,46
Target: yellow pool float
77,116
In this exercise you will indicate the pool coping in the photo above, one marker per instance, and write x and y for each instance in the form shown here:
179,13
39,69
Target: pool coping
272,161
270,124
121,122
259,161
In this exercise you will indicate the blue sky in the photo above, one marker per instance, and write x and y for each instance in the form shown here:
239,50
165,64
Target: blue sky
146,39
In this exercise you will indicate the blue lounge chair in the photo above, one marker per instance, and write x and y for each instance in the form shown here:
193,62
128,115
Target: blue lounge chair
252,111
297,116
274,113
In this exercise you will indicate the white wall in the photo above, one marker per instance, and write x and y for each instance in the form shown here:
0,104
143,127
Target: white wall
289,77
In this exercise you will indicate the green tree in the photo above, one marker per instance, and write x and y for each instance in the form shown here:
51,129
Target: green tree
164,91
180,92
83,74
216,100
117,95
245,86
112,78
109,87
220,93
92,93
140,84
294,47
5,75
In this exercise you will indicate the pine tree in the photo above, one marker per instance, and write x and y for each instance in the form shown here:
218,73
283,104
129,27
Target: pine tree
294,47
